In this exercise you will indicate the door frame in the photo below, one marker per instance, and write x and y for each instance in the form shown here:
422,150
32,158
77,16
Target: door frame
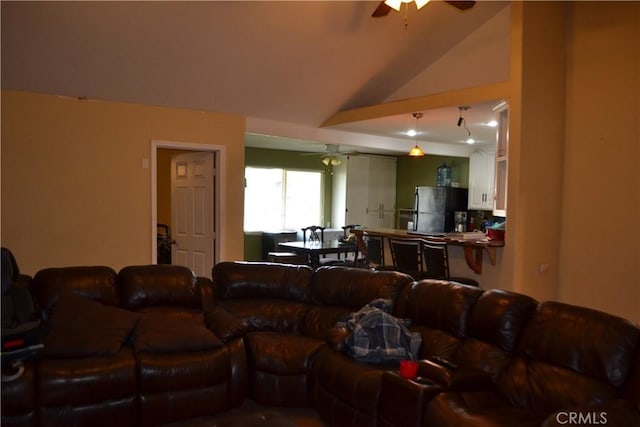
218,190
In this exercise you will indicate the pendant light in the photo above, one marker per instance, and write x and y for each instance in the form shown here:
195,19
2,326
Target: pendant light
416,151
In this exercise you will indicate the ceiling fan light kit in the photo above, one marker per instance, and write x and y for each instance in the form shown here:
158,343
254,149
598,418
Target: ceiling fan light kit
396,4
331,160
385,6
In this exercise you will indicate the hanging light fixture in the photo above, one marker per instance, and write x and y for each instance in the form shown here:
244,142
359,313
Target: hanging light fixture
396,4
416,151
331,160
462,122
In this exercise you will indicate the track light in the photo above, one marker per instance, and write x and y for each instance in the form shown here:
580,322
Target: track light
462,122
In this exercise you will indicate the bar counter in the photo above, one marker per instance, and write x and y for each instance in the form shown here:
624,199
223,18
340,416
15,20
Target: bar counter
473,249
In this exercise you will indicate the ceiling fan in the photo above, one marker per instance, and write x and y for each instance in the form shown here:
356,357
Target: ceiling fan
385,6
332,154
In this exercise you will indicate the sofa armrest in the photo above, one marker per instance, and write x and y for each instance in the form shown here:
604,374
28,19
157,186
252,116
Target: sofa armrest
450,377
617,412
434,371
336,337
224,324
470,380
206,292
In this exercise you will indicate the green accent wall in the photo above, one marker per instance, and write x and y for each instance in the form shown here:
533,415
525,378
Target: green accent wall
264,158
414,171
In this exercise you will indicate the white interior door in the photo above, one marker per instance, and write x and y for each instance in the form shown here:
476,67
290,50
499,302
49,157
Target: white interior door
192,211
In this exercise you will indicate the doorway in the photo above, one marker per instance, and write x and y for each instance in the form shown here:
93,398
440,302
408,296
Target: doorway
186,193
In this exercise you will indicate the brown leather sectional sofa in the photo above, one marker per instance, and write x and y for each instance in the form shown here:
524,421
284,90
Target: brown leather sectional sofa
154,344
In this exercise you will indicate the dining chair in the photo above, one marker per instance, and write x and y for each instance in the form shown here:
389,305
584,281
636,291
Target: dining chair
435,254
347,231
316,233
407,257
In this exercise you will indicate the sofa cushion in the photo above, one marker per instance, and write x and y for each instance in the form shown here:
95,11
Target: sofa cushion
225,325
237,280
283,354
168,331
584,340
81,327
440,312
477,409
96,283
267,314
495,323
86,381
158,285
338,291
569,356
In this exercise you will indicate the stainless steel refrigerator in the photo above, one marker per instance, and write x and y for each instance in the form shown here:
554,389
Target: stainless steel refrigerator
434,208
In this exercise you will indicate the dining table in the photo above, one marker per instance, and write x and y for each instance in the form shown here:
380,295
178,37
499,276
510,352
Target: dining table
314,249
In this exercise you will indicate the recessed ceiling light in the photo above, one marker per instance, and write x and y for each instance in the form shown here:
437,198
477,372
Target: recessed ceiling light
411,133
471,141
492,123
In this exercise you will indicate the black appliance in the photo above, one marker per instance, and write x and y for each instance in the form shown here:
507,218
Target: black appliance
434,208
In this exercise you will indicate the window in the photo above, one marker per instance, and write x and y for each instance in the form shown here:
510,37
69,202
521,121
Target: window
281,199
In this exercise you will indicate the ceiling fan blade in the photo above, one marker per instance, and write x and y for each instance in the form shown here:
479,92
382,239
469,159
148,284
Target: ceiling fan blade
462,5
381,10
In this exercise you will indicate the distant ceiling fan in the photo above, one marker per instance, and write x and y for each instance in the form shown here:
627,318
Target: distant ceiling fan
332,154
385,6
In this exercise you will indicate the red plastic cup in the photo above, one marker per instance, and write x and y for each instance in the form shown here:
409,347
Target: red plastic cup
408,369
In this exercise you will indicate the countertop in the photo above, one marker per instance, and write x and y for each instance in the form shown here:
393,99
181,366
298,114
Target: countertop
473,248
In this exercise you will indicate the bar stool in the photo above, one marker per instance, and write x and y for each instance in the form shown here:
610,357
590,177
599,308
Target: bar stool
407,257
436,259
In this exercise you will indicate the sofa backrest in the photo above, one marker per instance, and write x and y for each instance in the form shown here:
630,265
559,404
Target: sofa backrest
97,283
266,296
146,286
494,326
236,280
338,291
570,356
440,311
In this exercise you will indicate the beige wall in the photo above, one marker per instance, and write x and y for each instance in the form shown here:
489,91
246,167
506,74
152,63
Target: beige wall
574,187
74,190
600,245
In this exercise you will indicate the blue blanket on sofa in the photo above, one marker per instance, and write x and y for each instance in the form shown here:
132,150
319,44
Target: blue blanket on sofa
375,336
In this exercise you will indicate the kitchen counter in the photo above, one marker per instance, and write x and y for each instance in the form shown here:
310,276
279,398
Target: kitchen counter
473,248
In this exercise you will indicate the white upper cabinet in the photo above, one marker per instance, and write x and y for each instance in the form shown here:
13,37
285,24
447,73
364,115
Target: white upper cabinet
502,158
481,180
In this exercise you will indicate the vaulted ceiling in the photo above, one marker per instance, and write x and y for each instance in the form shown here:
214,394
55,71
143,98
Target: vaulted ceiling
290,67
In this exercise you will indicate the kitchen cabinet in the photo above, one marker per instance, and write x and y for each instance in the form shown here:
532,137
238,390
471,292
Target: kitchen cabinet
502,157
364,192
481,180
